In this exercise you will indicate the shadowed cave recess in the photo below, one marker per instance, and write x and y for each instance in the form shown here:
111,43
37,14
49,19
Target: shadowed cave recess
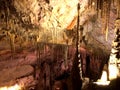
59,44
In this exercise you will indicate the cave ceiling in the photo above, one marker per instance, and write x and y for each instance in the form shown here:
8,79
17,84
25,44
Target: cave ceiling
54,21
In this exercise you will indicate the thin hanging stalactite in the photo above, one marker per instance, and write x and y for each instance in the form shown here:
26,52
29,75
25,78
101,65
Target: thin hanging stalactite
113,2
101,8
118,8
101,4
6,13
89,1
11,38
108,5
38,50
105,17
98,1
66,56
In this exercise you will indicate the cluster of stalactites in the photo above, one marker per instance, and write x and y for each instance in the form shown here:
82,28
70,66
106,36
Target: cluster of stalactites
103,6
103,10
100,5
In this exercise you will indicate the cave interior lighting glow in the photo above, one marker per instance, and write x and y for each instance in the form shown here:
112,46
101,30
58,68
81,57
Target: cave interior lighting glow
103,80
14,87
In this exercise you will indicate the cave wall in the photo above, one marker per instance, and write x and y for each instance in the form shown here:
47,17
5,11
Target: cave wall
28,21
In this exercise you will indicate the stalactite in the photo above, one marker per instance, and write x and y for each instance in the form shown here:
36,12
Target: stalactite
44,48
98,1
101,4
103,11
12,43
95,4
108,5
66,56
106,30
6,14
89,1
38,50
118,8
100,8
113,2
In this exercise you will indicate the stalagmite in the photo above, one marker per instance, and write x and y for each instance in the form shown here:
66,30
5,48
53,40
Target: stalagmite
76,69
